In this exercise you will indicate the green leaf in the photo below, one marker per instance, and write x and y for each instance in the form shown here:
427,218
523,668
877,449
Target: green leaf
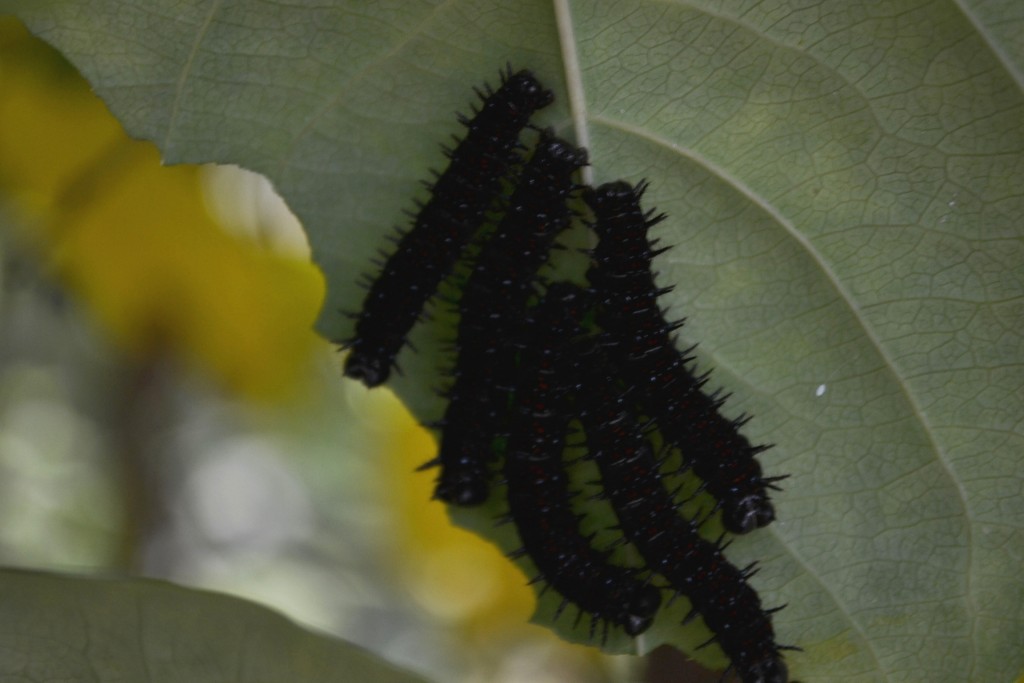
845,182
70,629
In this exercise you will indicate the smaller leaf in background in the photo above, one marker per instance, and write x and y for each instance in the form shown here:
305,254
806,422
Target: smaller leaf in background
57,627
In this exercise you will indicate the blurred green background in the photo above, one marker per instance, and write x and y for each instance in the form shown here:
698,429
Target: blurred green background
166,410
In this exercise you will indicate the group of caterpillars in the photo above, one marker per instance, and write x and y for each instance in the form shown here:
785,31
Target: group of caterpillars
528,364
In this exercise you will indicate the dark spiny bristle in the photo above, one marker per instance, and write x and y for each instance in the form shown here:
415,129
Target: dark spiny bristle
430,464
518,552
740,420
718,399
709,641
673,327
650,220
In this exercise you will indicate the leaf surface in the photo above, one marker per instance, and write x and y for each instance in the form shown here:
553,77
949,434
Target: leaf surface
845,186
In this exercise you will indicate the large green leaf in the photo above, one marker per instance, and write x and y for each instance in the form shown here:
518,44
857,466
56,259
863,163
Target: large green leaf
62,628
845,182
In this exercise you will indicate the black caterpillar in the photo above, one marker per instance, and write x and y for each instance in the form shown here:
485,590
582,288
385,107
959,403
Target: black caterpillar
427,252
491,310
522,374
669,543
646,356
538,485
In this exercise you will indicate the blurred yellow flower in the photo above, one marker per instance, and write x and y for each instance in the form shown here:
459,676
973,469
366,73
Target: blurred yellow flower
134,241
454,574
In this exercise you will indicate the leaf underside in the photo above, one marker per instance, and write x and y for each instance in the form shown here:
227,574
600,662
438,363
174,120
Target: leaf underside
845,189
